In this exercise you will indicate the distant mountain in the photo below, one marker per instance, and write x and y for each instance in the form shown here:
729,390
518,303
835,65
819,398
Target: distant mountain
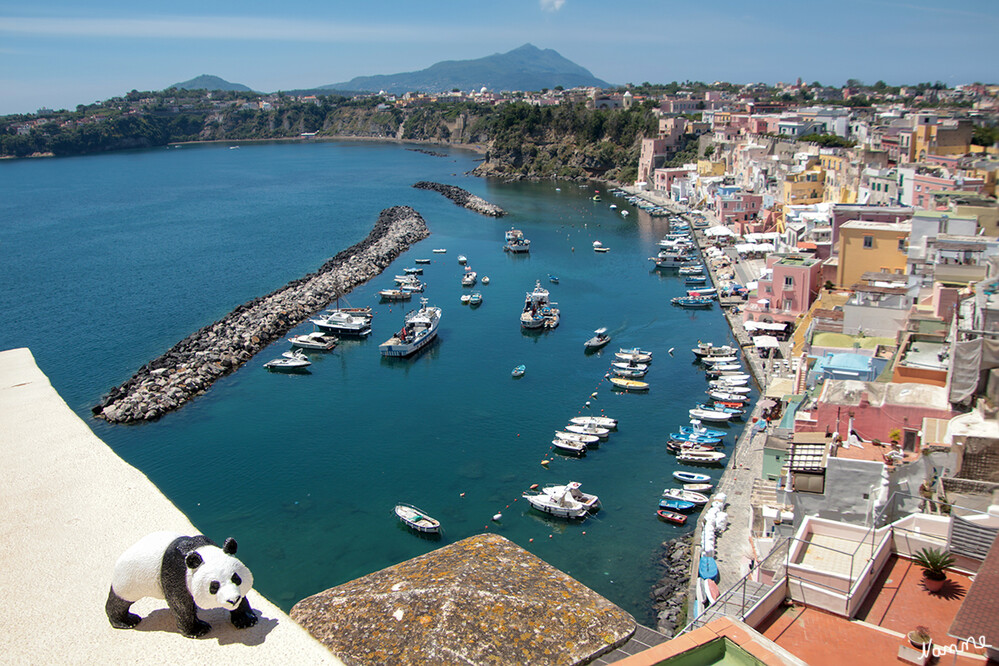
209,82
524,68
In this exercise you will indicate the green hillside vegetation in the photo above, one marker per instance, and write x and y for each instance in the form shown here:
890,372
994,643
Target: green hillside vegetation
522,140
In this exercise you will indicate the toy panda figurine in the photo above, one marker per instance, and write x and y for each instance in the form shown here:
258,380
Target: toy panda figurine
186,571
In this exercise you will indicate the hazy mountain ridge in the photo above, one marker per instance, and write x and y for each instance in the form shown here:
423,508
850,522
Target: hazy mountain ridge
210,82
524,68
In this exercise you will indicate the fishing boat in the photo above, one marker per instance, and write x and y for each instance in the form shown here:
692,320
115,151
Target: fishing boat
674,504
519,370
696,428
588,429
600,247
686,496
688,438
577,437
709,349
344,322
515,242
630,373
539,311
419,329
671,259
727,396
566,501
475,298
701,457
692,302
315,341
570,447
602,421
634,355
713,415
290,361
416,519
691,477
469,278
395,295
599,339
629,384
671,516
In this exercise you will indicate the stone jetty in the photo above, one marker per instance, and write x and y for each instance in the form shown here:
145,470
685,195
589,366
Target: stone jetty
463,198
669,597
193,364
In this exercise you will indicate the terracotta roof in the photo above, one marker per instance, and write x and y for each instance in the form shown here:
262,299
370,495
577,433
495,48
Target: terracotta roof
979,614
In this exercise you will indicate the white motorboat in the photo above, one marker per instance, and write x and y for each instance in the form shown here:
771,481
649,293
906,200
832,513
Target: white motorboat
317,341
539,311
564,501
634,355
729,387
630,373
595,430
727,396
701,457
466,299
718,360
417,519
691,477
709,349
414,285
685,495
722,368
568,446
419,329
602,421
733,376
485,279
416,270
713,415
422,261
395,294
290,361
515,242
576,437
462,259
440,250
621,365
475,298
599,339
469,278
344,322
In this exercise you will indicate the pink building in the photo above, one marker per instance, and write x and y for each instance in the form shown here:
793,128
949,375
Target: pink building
738,209
924,183
663,178
794,282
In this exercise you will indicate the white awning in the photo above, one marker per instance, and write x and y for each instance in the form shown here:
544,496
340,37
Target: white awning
765,342
764,325
718,231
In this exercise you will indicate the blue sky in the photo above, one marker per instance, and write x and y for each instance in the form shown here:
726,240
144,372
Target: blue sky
59,55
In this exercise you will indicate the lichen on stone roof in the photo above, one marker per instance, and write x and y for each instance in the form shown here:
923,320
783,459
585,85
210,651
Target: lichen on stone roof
482,600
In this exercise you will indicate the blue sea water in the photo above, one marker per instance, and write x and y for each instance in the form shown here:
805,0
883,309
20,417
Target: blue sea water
106,261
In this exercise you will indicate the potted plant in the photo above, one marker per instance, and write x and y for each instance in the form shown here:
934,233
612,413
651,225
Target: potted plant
934,563
920,637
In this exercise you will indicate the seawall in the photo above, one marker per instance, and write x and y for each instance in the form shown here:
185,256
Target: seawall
192,365
463,198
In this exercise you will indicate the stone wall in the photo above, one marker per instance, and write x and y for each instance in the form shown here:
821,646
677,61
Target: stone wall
193,364
463,198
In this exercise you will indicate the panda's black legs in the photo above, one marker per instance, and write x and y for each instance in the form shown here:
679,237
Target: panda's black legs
182,605
117,610
243,616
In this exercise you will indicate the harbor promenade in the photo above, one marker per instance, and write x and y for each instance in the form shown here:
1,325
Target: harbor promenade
71,508
734,550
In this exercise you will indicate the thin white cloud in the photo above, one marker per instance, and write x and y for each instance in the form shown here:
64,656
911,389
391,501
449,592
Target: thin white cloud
218,28
552,5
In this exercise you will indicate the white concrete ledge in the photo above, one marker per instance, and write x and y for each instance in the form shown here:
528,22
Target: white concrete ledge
70,508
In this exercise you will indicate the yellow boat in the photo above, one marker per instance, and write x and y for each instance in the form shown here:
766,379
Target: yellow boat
629,384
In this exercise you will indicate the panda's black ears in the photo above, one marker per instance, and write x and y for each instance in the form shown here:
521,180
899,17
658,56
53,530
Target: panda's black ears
229,547
193,560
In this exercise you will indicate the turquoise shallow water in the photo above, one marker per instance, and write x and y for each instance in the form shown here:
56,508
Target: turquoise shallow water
109,260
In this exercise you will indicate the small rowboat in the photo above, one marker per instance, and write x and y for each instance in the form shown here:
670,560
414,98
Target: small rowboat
691,477
698,487
671,516
685,495
629,384
676,504
701,457
417,519
519,370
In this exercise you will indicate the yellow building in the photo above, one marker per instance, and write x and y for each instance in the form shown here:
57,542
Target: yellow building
707,168
871,247
837,187
805,187
933,136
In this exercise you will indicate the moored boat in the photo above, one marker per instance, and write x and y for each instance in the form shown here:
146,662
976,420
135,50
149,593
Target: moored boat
713,415
539,311
315,341
395,295
685,495
629,384
692,302
671,516
416,519
519,370
630,373
566,501
710,349
701,457
290,361
602,421
691,477
568,446
419,329
634,355
577,437
674,504
698,487
422,261
595,430
344,322
727,396
475,298
515,242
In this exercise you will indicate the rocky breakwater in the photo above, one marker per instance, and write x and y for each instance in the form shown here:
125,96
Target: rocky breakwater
193,364
463,198
669,597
